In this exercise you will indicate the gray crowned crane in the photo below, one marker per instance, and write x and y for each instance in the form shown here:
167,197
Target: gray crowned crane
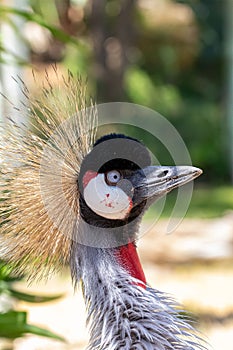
70,200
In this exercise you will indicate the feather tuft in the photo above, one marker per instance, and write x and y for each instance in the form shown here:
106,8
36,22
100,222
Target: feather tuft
39,170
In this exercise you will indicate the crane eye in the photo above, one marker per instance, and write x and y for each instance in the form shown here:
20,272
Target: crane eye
112,177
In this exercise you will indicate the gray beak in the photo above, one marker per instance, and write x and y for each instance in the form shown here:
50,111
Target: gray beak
159,180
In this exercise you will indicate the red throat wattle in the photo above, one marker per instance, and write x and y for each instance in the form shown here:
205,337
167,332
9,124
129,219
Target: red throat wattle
128,258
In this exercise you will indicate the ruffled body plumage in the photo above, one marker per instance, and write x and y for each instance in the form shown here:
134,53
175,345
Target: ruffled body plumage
123,315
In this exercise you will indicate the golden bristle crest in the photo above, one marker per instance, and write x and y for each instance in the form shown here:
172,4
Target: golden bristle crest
39,171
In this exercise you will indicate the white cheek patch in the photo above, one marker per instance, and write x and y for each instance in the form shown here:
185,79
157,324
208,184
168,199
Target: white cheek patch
110,202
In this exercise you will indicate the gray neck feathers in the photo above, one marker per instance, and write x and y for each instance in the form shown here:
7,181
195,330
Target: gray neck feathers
122,315
105,237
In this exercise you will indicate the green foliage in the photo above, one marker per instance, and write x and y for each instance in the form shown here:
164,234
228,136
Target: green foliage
197,119
142,89
202,127
13,323
207,203
36,18
211,202
175,66
180,76
8,14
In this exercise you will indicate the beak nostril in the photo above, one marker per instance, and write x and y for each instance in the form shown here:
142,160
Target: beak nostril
163,173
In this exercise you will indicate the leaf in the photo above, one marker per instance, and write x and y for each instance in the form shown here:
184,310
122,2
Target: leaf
31,16
31,298
6,278
13,324
42,332
7,273
17,317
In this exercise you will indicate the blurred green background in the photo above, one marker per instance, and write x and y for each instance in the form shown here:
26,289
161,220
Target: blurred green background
164,54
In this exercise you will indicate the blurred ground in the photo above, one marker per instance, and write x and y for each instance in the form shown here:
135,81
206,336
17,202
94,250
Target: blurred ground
194,264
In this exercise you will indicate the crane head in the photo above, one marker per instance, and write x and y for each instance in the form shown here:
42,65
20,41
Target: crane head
117,181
